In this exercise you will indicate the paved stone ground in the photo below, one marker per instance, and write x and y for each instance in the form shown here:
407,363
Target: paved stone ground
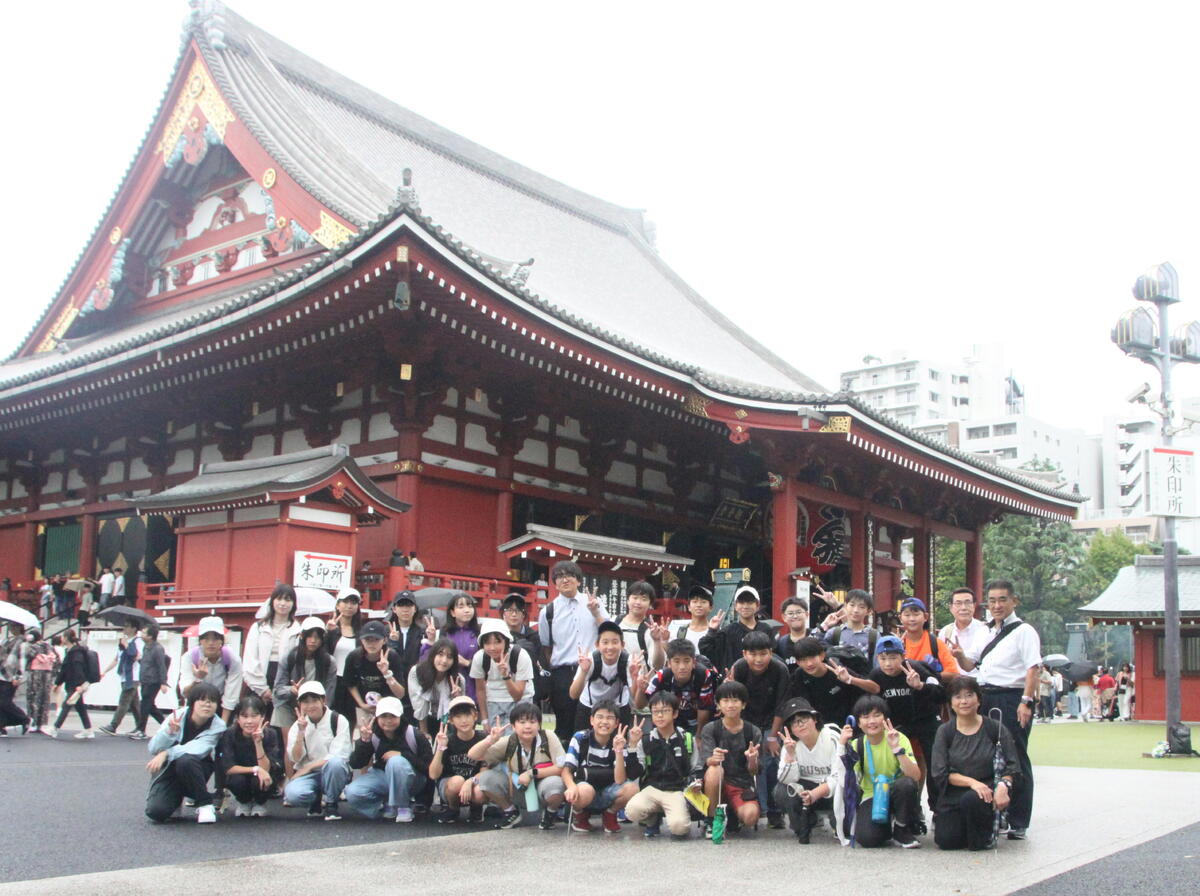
73,823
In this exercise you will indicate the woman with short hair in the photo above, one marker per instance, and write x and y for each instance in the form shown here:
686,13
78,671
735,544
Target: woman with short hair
182,760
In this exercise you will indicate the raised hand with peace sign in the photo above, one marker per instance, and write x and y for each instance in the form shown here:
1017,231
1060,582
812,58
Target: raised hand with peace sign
365,732
443,738
789,744
621,740
912,677
842,673
892,735
717,619
585,661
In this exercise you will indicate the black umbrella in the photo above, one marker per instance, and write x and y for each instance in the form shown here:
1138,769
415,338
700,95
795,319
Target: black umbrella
1079,672
121,615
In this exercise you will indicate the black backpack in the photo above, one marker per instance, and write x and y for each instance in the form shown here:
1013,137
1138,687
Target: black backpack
514,657
835,638
93,666
850,657
622,670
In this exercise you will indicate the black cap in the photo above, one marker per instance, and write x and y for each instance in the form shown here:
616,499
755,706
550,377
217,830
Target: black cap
797,706
404,597
514,600
700,591
608,626
373,629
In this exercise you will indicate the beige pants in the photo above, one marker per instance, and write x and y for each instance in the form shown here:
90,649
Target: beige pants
671,803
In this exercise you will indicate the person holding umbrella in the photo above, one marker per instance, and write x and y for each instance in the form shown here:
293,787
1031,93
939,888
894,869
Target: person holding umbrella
964,769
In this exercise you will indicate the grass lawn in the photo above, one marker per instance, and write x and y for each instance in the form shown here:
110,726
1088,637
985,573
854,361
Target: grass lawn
1104,745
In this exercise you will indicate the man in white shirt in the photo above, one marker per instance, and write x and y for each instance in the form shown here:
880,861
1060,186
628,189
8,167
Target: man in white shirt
107,581
566,626
118,589
966,635
1007,670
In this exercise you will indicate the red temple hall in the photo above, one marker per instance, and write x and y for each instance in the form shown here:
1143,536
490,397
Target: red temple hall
314,321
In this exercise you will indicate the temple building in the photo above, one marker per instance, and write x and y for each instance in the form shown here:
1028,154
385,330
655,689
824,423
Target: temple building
295,263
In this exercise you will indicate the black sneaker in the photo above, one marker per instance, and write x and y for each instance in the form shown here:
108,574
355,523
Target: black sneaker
1016,833
315,810
331,812
474,814
447,816
548,819
775,820
510,819
918,826
904,838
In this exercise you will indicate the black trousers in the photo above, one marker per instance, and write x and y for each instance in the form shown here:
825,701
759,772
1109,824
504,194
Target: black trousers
922,733
1020,809
963,820
247,789
146,708
10,713
799,816
903,800
80,707
185,776
562,703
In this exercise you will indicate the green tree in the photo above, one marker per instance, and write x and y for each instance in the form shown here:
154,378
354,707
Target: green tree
1108,553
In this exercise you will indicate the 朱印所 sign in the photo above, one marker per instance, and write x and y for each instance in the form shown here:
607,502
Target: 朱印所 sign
1172,482
317,570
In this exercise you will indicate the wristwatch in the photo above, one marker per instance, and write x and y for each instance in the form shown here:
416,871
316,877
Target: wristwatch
900,752
1028,701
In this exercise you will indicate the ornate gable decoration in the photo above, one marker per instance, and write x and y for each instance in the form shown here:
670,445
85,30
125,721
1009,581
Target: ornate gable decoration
185,134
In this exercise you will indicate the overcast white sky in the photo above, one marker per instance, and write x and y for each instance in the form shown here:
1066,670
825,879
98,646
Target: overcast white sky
843,179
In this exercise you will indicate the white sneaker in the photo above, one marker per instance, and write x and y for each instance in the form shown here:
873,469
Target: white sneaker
89,734
50,732
258,811
404,815
242,811
206,815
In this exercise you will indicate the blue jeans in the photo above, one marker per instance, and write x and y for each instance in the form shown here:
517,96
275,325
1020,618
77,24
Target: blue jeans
765,781
329,780
605,797
391,787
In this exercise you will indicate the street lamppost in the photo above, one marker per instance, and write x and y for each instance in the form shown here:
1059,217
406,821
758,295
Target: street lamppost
1138,336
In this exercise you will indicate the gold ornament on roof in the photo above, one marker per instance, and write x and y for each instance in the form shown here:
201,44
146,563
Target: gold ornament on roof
114,235
332,233
200,92
836,424
268,178
697,404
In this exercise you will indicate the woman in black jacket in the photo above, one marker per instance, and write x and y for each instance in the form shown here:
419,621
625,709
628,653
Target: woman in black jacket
963,768
250,758
80,667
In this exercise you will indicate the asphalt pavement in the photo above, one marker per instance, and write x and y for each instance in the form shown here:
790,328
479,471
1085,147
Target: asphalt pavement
75,806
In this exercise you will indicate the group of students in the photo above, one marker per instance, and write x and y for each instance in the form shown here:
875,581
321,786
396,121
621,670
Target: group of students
668,724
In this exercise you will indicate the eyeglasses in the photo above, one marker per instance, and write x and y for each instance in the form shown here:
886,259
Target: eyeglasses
794,613
661,711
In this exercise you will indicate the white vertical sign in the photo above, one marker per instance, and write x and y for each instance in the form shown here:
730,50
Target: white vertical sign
1172,482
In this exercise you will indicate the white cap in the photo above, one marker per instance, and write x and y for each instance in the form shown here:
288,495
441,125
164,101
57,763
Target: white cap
311,687
389,706
211,624
494,627
349,592
312,622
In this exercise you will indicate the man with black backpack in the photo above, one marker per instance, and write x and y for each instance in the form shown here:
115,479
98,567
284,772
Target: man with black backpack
831,688
638,629
850,627
513,610
502,671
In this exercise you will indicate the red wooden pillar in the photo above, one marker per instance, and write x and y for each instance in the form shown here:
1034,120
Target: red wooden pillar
408,481
921,568
504,508
87,546
975,569
783,546
859,549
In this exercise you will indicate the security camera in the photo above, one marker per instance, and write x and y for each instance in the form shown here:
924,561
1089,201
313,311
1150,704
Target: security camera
1139,394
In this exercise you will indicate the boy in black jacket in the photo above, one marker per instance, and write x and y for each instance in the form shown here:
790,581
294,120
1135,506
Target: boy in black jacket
768,685
666,758
723,646
396,755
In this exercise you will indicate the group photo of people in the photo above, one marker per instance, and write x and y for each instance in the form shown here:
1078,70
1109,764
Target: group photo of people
713,725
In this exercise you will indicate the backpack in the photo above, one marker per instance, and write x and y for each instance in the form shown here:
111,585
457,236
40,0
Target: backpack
641,637
935,651
621,676
93,666
514,657
541,743
852,658
226,657
835,638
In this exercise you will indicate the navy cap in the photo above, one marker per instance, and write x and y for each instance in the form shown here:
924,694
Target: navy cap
889,644
404,597
913,603
373,629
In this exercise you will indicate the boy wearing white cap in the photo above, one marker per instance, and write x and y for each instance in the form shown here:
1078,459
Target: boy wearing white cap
214,663
396,755
503,672
319,748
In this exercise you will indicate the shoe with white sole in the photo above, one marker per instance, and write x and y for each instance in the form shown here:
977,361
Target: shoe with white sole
404,815
242,811
258,811
89,734
206,815
50,732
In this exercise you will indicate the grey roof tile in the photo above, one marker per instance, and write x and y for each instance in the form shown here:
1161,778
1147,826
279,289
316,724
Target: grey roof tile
1138,590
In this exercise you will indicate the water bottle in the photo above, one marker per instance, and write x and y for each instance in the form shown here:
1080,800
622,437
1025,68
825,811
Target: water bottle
880,810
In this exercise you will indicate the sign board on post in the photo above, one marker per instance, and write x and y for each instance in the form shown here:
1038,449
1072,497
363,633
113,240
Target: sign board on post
1172,482
317,570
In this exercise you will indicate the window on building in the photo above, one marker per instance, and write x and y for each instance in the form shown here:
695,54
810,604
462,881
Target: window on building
906,373
848,382
874,379
906,395
1189,644
978,432
934,375
934,397
1005,429
1007,453
964,379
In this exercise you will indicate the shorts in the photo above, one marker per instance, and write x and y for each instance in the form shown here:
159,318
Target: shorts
605,797
283,715
735,797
